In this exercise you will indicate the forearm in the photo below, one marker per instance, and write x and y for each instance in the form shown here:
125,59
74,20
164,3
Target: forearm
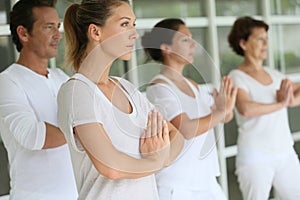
191,128
54,137
105,156
253,109
210,121
113,172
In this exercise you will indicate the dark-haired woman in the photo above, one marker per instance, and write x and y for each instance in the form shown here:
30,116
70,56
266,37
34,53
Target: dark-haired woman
193,111
265,156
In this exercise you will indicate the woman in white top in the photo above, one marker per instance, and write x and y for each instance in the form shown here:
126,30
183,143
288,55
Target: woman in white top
193,111
265,156
115,145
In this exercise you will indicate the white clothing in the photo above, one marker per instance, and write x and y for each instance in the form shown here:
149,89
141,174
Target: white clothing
265,146
198,161
27,101
267,136
212,191
256,179
80,101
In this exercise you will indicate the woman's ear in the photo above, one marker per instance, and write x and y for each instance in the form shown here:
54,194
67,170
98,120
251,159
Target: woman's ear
165,48
242,44
94,32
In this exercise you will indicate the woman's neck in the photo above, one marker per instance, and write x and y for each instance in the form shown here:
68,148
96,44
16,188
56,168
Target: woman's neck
251,65
96,66
172,73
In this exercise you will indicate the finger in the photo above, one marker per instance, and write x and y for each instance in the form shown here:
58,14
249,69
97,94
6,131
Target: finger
286,84
159,124
165,134
154,123
215,93
282,85
143,138
222,85
230,85
149,124
234,90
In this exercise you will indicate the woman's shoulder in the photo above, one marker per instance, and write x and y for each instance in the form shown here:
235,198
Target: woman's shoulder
273,71
236,72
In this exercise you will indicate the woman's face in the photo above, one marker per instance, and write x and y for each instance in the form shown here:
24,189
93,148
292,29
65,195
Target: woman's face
183,46
256,46
118,34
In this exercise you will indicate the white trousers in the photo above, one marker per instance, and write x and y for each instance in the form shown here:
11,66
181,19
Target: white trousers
212,192
256,179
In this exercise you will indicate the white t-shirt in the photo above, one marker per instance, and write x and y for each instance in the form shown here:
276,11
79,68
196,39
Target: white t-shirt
198,161
27,100
80,101
267,136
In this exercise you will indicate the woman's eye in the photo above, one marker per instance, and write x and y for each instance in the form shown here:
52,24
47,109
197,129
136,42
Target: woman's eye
125,24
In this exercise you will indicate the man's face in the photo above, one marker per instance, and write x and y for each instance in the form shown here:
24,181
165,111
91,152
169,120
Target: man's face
44,37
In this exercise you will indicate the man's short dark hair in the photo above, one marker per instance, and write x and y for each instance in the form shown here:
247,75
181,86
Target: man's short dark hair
22,14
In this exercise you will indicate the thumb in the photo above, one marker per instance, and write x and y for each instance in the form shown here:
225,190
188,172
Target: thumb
215,93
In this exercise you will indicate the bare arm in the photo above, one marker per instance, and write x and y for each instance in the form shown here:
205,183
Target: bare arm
154,147
249,108
54,137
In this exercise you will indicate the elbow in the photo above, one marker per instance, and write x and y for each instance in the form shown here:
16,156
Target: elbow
244,113
111,174
243,110
187,135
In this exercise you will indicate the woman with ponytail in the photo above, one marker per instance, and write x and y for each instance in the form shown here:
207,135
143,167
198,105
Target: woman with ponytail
116,138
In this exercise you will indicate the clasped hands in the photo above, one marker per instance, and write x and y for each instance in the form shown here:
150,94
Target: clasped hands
285,94
155,142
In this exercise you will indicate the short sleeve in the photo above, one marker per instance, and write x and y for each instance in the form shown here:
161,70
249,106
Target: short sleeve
165,100
238,80
79,101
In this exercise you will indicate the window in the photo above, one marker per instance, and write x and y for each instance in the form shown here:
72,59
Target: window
238,7
165,8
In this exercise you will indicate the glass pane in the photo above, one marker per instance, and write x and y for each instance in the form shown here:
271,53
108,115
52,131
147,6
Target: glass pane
200,70
228,59
238,7
286,50
62,5
4,7
284,7
168,8
7,56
